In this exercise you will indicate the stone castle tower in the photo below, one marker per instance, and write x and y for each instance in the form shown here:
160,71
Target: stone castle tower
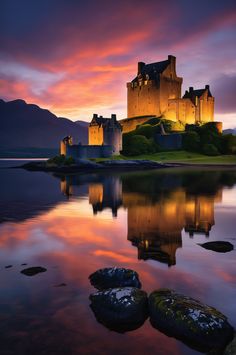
106,131
156,91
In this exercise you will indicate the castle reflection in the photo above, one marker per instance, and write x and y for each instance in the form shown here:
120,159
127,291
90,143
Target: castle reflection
157,211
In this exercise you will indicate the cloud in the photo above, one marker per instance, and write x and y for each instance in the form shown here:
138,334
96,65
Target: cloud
224,92
75,57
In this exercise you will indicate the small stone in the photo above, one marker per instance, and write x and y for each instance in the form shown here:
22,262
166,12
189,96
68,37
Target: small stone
8,266
218,246
114,277
60,285
31,271
24,264
199,326
120,309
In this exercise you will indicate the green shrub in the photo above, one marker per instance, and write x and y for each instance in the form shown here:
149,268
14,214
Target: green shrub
145,130
139,145
69,161
60,160
191,141
229,144
210,149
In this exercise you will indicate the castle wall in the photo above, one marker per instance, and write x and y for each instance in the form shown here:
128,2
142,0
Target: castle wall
143,99
113,136
181,110
169,141
206,108
89,151
170,86
96,135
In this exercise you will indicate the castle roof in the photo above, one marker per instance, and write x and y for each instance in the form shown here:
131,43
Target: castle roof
152,69
192,94
105,122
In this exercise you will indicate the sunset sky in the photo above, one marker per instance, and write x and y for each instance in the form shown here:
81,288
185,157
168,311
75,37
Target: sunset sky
75,57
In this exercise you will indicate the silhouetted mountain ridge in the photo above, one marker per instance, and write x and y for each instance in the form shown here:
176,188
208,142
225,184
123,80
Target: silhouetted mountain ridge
229,131
27,125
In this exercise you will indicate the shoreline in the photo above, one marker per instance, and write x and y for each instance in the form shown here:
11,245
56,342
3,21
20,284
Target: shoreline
124,165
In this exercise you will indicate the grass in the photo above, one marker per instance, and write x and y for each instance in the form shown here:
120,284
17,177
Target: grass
181,156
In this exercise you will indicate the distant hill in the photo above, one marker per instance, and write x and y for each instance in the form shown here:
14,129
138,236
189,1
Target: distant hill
229,131
24,126
82,123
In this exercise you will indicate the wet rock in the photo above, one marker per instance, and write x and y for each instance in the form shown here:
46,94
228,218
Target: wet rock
218,246
23,264
31,271
199,326
114,277
8,266
60,285
231,348
120,309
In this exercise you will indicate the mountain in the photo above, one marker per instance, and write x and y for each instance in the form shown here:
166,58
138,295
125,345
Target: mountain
229,131
82,123
24,126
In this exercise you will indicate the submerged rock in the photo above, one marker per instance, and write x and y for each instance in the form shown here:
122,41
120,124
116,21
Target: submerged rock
114,277
218,246
31,271
199,326
120,309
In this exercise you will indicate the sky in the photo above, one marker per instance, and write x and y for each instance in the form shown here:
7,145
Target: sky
75,57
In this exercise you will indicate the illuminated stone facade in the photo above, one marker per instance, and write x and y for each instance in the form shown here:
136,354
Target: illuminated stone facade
106,131
156,91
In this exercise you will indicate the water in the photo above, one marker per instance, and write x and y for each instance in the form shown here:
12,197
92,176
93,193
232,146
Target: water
73,225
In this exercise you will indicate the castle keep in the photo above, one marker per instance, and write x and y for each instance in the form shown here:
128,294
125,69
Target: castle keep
156,91
106,131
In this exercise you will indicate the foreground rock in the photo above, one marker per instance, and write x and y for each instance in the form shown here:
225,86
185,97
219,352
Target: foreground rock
218,246
231,348
114,277
31,271
199,326
120,309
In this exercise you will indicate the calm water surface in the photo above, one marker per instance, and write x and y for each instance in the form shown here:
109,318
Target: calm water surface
151,222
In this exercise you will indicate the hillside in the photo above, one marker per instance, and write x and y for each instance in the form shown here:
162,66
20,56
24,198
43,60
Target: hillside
229,131
25,126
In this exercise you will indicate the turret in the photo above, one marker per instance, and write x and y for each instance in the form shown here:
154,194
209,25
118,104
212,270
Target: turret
141,65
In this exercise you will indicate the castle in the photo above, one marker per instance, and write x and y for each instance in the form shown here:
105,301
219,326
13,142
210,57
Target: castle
156,91
104,138
105,131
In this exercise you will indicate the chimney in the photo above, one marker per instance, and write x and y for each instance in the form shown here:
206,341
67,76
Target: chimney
141,65
172,59
207,87
113,117
95,115
191,89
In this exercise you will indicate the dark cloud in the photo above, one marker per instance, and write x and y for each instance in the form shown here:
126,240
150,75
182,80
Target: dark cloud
225,93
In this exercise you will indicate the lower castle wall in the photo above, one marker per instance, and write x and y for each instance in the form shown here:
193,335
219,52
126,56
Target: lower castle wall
89,151
169,141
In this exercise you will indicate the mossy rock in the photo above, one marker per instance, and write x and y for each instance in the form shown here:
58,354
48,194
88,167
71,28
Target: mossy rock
199,326
114,277
120,309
